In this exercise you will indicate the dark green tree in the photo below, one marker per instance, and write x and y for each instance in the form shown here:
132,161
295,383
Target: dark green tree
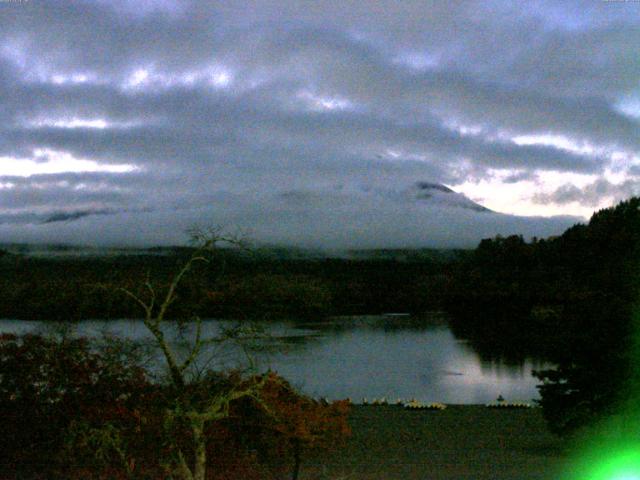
594,358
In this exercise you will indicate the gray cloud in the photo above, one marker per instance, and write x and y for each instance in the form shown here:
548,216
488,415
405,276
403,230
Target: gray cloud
345,103
593,194
520,176
337,222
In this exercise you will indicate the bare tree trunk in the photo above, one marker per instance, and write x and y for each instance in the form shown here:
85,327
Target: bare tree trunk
174,369
200,447
296,459
182,469
219,408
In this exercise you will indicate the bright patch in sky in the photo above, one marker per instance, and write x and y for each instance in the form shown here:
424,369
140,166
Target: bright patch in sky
71,123
464,130
75,122
630,107
215,76
60,79
557,141
323,103
517,198
138,78
220,79
50,162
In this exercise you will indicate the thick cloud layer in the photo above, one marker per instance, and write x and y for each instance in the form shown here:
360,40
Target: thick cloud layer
309,122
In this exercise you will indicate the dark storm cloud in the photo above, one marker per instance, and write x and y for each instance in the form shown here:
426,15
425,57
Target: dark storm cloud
74,215
31,218
224,107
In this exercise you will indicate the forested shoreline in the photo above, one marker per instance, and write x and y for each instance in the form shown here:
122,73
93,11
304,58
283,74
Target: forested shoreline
573,299
234,285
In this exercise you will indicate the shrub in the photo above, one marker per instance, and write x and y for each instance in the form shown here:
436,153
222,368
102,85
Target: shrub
71,410
46,386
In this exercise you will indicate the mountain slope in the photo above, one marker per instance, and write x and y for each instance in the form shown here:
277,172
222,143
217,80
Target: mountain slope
441,195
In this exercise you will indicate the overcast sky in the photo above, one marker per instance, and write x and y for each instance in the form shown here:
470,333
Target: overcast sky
311,122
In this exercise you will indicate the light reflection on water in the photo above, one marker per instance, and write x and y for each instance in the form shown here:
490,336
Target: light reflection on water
360,357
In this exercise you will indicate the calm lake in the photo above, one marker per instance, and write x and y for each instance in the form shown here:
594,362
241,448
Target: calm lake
355,357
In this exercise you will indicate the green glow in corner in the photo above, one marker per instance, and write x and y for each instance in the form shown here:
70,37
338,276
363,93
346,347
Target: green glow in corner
612,450
621,466
608,464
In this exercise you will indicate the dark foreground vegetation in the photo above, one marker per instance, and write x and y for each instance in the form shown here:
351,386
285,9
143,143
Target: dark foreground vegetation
74,412
78,409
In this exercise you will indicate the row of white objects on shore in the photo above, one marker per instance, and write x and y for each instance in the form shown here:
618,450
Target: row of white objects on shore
414,404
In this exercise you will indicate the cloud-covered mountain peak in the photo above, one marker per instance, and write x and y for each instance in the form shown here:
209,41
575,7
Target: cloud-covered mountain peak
427,186
436,194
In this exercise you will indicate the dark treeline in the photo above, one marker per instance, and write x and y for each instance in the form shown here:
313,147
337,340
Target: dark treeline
570,299
539,295
259,284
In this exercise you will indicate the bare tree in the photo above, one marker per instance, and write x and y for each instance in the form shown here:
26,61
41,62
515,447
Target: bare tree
196,415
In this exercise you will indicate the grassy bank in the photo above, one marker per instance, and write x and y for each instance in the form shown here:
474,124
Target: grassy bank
462,442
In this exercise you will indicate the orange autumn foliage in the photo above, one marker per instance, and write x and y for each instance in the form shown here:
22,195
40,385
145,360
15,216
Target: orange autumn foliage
298,417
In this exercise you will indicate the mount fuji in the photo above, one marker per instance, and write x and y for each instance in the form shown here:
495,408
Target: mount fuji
441,195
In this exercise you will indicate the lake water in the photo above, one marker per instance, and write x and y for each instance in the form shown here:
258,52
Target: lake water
352,357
